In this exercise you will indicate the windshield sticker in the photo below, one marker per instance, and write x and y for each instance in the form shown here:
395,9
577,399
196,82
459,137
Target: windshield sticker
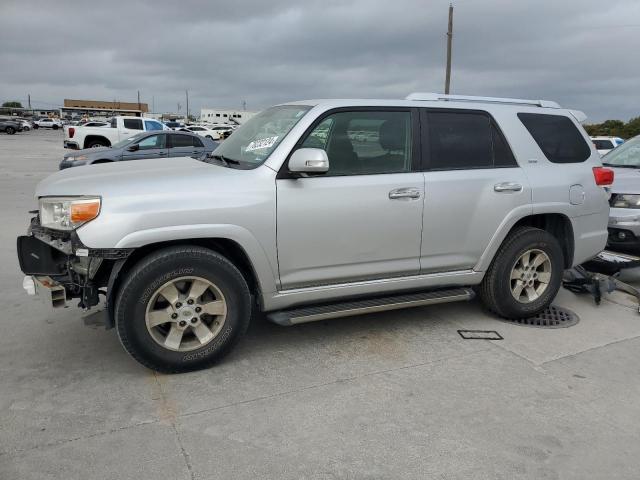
261,144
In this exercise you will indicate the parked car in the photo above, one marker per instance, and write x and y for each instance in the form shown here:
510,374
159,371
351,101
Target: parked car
120,128
212,132
605,144
144,145
53,123
26,124
174,125
624,217
10,126
455,194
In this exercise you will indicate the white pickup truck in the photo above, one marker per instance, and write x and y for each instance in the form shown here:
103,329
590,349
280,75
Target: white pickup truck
77,137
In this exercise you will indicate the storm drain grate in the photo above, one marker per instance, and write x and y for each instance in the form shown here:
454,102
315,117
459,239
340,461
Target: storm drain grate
552,317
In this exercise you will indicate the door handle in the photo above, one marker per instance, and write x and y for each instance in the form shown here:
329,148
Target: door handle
400,193
507,187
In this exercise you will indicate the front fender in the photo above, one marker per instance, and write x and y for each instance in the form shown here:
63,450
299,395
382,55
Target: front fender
263,265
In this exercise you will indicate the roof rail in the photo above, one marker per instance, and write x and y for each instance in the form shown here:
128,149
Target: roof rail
434,97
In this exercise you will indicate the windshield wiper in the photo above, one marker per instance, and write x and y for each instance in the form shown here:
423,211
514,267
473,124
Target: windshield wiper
619,166
225,161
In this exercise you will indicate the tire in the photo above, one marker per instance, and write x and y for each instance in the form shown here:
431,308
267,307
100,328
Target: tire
96,144
498,290
209,137
55,127
10,131
139,298
35,127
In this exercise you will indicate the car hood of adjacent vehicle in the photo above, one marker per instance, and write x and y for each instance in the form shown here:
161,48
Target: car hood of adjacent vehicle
140,177
88,152
625,180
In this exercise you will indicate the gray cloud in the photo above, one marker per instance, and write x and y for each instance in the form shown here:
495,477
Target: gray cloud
580,53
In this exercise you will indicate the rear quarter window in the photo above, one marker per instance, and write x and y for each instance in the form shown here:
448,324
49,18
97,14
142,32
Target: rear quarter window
557,137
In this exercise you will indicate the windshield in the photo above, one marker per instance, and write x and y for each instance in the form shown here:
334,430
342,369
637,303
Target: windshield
253,142
127,141
627,154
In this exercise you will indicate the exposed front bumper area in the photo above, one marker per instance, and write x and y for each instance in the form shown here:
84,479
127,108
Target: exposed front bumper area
61,267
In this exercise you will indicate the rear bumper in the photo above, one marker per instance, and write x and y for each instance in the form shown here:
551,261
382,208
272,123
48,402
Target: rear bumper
71,145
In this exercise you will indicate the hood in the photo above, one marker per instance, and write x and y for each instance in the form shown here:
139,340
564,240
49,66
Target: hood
132,178
625,180
89,152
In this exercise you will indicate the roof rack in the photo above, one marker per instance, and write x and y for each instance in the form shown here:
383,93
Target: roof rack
434,97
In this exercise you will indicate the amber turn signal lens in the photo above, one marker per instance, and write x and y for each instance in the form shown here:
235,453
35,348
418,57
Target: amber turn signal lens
85,210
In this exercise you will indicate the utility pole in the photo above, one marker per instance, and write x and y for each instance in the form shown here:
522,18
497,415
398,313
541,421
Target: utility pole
187,93
29,100
138,99
153,103
447,81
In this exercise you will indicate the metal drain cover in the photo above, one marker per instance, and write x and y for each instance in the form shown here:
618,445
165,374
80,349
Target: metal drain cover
552,317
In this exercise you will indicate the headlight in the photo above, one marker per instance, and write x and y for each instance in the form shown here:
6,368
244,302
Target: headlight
624,200
79,158
68,213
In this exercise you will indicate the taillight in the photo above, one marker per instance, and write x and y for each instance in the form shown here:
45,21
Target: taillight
72,131
603,176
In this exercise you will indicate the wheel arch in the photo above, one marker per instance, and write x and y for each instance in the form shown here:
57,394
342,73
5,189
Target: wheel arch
89,138
557,224
230,249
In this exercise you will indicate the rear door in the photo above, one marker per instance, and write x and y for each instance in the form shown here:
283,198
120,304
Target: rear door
152,146
130,126
472,184
182,145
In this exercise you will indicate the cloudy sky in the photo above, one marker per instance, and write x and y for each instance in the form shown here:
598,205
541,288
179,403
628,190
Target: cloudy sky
581,53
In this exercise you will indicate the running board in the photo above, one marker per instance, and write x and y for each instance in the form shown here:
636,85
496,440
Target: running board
368,305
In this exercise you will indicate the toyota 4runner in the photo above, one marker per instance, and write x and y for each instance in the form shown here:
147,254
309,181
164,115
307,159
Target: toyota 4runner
321,209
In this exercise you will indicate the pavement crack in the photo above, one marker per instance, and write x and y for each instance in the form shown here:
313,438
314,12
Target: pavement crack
570,355
75,439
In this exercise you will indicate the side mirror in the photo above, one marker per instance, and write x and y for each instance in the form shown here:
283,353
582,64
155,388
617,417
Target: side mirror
133,148
309,160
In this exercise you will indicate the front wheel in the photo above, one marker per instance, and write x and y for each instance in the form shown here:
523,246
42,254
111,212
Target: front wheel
55,127
182,309
10,130
525,274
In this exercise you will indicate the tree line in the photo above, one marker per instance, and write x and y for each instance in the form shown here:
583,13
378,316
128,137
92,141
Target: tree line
615,128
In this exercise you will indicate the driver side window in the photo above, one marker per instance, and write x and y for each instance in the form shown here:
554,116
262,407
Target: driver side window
364,142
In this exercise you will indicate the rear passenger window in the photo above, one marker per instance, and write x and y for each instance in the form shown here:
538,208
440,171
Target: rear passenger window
460,140
133,123
181,141
557,137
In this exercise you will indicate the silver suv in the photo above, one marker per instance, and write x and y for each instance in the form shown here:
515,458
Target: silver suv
321,209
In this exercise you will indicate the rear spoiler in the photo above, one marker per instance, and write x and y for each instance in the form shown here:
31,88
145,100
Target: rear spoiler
580,116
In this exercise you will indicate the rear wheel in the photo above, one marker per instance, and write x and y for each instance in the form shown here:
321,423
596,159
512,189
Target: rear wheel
525,274
55,127
182,309
10,130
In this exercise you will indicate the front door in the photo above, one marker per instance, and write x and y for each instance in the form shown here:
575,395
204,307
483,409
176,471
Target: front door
152,146
362,219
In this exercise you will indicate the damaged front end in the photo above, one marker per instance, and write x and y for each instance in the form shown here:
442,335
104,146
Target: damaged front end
60,268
